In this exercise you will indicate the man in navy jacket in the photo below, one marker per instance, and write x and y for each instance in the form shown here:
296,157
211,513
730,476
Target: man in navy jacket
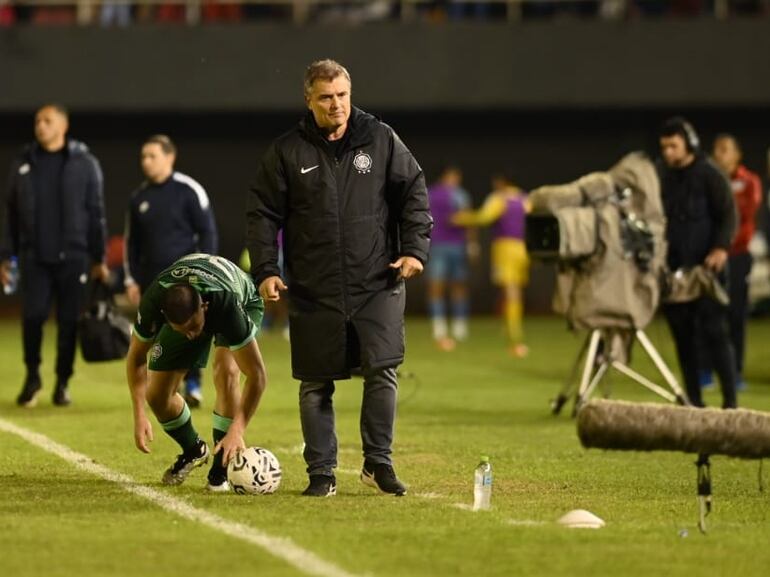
169,216
55,226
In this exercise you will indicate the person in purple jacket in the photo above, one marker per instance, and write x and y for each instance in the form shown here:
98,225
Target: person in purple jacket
505,208
448,263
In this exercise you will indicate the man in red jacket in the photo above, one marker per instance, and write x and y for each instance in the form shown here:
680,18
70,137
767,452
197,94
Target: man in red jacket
747,191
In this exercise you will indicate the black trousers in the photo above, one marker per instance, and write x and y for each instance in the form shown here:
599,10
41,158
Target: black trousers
702,325
41,284
740,269
378,416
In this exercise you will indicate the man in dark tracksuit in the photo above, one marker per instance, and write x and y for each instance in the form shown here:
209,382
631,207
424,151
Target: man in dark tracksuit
55,225
352,202
701,222
169,216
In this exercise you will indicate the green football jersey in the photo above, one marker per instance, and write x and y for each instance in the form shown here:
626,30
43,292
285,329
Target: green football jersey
229,292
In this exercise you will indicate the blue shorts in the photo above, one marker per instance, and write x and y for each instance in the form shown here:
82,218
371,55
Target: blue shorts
447,262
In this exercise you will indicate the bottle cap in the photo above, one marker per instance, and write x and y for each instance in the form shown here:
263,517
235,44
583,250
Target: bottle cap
484,459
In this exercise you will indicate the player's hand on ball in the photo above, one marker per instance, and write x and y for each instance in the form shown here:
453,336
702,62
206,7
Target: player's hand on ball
269,289
407,267
230,445
142,433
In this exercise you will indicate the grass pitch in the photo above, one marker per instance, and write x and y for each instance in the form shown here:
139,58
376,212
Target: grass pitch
56,520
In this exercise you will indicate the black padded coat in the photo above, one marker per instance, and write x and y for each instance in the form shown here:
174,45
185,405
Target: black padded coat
345,214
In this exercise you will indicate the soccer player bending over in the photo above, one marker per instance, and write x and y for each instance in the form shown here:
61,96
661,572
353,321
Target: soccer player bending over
197,299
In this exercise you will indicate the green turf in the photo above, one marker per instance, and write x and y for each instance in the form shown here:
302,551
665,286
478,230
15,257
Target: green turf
56,520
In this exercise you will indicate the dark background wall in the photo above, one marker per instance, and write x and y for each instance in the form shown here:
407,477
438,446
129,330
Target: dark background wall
524,103
396,66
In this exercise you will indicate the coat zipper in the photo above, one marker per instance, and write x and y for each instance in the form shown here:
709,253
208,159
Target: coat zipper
343,264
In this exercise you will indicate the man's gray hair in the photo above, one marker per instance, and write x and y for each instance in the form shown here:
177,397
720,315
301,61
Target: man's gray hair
326,69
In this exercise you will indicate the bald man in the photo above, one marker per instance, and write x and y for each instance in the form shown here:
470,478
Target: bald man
55,227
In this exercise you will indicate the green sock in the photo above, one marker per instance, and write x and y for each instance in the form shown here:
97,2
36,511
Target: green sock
181,429
220,427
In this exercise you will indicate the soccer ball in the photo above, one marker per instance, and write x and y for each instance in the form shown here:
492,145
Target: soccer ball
254,471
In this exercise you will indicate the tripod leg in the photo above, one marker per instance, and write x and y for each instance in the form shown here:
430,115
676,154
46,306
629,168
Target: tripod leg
650,349
569,385
645,382
588,368
600,372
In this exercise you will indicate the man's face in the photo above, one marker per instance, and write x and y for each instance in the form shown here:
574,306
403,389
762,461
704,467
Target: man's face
499,183
193,328
50,126
453,177
674,151
330,103
156,164
727,155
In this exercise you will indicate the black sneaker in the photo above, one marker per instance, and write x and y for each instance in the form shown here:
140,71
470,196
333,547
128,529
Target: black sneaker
29,392
217,480
321,486
61,396
185,463
382,476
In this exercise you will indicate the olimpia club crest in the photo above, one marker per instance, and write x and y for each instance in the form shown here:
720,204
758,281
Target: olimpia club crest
362,163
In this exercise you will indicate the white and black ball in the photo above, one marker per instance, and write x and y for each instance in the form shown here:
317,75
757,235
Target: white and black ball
254,471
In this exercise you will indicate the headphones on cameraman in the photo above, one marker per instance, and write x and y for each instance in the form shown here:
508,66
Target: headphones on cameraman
680,125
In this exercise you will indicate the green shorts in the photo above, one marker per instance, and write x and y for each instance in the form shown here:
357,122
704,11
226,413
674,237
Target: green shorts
172,351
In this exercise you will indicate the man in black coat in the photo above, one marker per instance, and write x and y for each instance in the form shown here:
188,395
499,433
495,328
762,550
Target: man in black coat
700,224
352,202
55,226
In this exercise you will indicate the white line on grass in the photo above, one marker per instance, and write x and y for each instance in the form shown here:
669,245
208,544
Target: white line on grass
515,522
524,522
280,547
429,495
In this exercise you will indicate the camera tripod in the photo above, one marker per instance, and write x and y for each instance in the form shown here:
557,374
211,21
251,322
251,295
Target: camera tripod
605,349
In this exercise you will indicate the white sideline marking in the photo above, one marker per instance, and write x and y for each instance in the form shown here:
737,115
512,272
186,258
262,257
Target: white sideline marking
524,522
429,495
514,522
281,547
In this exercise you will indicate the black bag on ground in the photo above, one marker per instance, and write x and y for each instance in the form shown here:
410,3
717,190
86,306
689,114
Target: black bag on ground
104,333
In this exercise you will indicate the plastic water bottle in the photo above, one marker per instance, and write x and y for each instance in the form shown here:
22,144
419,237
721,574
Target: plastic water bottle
13,276
482,485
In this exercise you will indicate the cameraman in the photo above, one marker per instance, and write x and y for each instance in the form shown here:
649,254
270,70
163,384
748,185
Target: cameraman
700,224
